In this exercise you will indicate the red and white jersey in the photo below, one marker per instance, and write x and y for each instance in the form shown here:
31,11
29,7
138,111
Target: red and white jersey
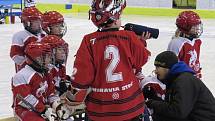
105,63
35,88
58,74
19,42
187,51
155,84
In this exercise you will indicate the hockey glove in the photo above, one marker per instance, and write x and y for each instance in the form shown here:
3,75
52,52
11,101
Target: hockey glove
61,110
150,93
75,107
49,114
63,87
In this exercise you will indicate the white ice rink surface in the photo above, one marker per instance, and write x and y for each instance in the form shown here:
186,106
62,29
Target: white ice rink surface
79,26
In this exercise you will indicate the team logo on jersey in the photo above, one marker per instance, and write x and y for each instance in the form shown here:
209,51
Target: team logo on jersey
193,60
42,89
115,95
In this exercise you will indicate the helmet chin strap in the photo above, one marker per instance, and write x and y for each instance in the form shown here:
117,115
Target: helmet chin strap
190,37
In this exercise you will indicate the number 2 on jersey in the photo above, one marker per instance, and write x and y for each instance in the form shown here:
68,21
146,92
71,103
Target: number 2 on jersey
112,53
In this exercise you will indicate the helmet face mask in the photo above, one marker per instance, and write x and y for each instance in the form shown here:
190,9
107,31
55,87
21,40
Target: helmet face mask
33,26
44,61
59,48
196,31
39,56
59,29
60,55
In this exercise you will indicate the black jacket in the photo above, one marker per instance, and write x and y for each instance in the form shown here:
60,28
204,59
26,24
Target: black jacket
187,98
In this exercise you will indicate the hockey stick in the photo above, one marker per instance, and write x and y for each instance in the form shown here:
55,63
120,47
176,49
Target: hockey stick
31,107
147,114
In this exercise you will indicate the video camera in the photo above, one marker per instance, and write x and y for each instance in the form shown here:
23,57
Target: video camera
139,29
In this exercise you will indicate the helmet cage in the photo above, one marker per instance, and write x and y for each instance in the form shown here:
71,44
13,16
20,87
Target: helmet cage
62,51
29,27
62,29
56,43
41,61
38,56
196,30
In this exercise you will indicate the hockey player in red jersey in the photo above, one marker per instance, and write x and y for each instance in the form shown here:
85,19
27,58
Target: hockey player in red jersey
31,19
58,70
33,91
53,23
186,43
104,67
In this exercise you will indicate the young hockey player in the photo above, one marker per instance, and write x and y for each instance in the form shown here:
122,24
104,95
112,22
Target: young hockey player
186,43
104,67
33,90
58,71
31,19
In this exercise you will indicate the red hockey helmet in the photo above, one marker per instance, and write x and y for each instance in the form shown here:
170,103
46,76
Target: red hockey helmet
51,19
54,41
105,12
57,44
30,13
38,55
188,19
